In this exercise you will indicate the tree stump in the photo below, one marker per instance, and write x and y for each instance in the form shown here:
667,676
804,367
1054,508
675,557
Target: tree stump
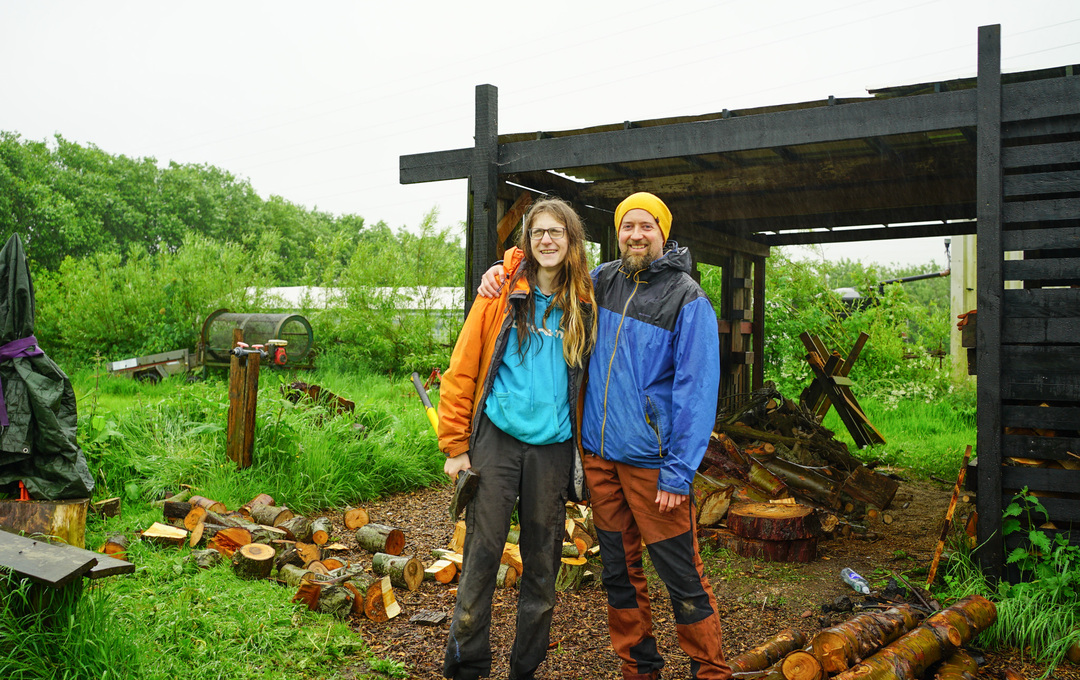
803,550
356,518
270,515
773,521
321,530
404,571
253,561
297,528
379,538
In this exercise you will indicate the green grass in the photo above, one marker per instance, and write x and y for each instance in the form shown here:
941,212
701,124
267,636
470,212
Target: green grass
921,435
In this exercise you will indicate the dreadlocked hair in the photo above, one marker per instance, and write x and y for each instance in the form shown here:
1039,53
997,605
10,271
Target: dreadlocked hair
573,290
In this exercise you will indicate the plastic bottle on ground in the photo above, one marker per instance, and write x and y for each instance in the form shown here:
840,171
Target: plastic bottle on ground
858,583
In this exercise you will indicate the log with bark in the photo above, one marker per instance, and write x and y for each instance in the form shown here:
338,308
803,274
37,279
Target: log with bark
379,538
270,515
253,561
801,665
297,528
261,499
321,528
959,666
164,534
506,577
355,518
773,522
571,573
174,512
840,647
712,498
183,495
211,505
404,571
376,596
115,546
294,575
766,654
332,563
935,639
309,552
203,559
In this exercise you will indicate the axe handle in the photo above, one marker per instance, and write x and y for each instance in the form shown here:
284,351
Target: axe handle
432,417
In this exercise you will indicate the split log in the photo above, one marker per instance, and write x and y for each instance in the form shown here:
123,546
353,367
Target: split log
332,563
959,666
229,539
163,534
294,575
404,571
800,550
109,507
871,487
261,499
379,538
936,638
712,498
773,522
457,540
196,515
321,530
801,665
211,505
270,515
203,559
506,577
223,519
355,518
115,546
444,554
840,647
578,531
379,602
512,555
297,528
309,552
772,650
253,561
514,534
441,571
308,593
317,567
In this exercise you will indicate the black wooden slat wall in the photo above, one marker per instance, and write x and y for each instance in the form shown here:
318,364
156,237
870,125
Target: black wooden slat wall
1039,355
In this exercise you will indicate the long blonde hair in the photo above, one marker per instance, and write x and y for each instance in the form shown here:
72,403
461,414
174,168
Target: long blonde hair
573,290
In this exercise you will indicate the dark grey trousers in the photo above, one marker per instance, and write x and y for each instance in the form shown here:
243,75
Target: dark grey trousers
539,475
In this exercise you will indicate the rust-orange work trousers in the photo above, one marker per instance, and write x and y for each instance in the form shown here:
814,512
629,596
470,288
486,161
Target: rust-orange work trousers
625,512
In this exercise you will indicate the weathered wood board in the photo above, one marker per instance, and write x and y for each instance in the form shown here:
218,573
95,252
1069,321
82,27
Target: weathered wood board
62,519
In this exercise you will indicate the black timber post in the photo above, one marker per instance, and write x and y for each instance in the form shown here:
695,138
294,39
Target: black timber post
989,284
481,232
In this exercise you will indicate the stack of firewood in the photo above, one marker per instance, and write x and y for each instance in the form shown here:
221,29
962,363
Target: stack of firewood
894,644
770,451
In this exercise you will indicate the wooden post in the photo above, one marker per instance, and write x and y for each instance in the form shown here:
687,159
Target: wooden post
243,398
482,231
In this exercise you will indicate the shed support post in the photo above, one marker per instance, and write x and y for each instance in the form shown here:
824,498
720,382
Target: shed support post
243,399
481,240
989,290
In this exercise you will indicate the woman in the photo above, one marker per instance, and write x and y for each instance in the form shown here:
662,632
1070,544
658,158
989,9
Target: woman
508,410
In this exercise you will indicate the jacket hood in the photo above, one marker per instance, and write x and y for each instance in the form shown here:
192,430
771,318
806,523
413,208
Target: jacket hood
674,257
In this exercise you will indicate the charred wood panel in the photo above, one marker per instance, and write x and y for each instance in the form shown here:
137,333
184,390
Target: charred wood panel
1049,210
1043,417
1044,270
1041,330
1042,183
1042,129
1041,239
1040,479
1049,448
1036,155
1017,540
1039,303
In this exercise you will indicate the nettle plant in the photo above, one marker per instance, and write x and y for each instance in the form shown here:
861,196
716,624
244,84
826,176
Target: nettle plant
1047,565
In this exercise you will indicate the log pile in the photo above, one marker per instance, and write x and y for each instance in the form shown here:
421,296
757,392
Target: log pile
770,451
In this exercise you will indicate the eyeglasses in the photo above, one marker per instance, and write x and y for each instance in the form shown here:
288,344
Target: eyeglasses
556,233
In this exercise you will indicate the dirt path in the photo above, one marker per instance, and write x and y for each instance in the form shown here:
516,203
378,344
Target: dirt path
756,599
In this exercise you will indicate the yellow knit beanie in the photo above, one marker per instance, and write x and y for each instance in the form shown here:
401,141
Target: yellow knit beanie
649,203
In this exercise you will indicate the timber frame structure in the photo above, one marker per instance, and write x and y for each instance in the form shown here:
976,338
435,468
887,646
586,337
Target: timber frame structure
997,156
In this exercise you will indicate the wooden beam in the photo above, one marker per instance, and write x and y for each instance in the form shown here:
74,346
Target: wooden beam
870,234
990,285
481,232
512,219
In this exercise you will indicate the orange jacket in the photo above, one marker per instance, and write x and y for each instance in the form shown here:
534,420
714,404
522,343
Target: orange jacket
464,385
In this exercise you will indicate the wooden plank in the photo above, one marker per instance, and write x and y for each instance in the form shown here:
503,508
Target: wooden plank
1039,479
1040,154
1037,303
1043,417
42,561
1060,509
512,219
1045,386
1041,239
870,234
1049,448
1041,330
106,564
1042,128
989,285
1036,183
1016,540
1023,359
759,323
1046,98
744,327
1045,270
1048,210
434,166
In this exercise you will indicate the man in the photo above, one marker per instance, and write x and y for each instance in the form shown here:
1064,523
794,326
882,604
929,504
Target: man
650,405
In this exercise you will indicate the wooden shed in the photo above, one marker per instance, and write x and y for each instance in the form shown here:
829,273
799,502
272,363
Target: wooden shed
997,156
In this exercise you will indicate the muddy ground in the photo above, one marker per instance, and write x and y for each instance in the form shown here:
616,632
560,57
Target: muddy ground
756,599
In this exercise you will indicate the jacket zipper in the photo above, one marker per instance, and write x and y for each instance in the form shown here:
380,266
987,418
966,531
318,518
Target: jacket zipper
607,381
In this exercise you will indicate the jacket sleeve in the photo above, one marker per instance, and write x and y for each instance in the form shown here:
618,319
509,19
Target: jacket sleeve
458,384
694,394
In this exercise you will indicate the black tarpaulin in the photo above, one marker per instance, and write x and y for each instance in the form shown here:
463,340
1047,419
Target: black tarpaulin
38,416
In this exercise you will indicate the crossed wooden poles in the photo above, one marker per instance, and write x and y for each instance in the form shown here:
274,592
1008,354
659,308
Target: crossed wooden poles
832,386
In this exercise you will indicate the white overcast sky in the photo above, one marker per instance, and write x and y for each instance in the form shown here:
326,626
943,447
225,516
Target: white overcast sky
316,101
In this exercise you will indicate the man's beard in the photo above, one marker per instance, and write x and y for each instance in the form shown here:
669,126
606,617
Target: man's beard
635,263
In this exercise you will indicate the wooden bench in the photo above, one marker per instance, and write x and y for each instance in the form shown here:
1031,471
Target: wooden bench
56,565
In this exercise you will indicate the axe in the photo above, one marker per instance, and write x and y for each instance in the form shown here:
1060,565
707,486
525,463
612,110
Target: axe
467,480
